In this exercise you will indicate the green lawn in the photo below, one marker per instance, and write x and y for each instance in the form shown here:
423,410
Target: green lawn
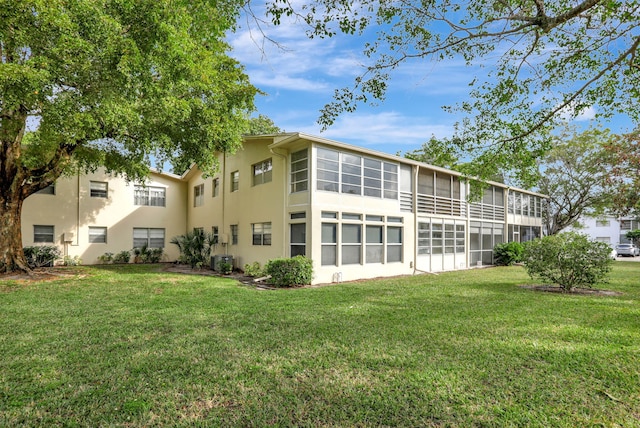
134,346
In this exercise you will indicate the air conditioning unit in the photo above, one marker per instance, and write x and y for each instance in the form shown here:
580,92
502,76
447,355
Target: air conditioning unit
68,236
224,238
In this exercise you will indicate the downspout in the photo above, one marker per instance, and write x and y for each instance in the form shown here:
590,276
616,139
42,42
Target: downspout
284,199
223,182
78,210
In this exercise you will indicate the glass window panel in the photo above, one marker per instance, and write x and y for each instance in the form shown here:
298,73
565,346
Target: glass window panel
351,254
328,257
329,233
394,235
351,234
98,235
374,234
374,254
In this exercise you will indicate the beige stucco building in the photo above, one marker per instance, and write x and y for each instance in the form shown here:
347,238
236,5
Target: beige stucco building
356,213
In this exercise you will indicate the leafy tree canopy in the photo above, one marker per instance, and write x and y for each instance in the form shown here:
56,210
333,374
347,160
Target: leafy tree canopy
262,125
111,83
545,61
575,175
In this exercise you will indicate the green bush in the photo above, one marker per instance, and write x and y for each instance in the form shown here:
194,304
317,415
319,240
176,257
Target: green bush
568,259
195,247
72,261
253,269
225,268
508,253
41,255
106,258
297,270
122,257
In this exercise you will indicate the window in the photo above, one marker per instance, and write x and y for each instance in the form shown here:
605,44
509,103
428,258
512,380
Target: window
329,244
374,249
390,181
49,190
298,239
328,170
97,235
262,172
235,181
297,216
98,189
151,196
261,233
234,234
216,187
394,244
372,177
351,244
198,195
603,223
299,171
215,234
424,238
329,214
351,174
42,233
151,237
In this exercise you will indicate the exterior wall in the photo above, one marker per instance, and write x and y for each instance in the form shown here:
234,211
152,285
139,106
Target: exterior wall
420,220
72,211
249,205
607,229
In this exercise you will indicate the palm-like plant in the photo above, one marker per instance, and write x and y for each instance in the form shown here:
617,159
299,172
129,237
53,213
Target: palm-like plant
195,247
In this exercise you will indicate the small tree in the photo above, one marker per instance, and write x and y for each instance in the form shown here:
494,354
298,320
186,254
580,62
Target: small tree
568,259
634,236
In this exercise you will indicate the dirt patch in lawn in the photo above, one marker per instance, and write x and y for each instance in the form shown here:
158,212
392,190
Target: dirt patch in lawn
13,281
579,291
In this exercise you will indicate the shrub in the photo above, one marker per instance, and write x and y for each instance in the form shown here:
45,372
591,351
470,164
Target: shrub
72,261
122,257
41,255
508,253
225,268
106,258
297,270
253,269
195,247
568,259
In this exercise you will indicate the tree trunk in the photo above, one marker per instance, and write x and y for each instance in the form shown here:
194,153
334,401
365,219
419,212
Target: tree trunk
11,254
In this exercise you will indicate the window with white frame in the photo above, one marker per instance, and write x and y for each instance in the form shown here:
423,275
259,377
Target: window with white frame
235,181
215,234
356,175
262,172
216,187
374,244
261,233
97,235
298,239
394,244
198,195
43,233
98,189
351,240
329,244
299,171
150,196
150,237
234,234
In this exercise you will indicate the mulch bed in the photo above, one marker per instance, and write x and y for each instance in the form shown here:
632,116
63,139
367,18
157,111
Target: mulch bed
578,291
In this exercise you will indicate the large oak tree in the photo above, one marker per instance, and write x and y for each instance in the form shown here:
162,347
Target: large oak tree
111,83
544,61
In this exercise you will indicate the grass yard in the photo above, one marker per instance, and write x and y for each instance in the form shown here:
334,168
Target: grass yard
135,346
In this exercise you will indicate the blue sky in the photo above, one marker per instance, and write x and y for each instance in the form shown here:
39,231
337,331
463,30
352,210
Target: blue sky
301,78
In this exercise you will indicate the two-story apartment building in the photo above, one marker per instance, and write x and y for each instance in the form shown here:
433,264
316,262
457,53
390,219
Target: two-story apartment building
356,213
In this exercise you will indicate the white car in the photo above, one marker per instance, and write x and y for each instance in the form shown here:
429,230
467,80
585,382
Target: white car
627,250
